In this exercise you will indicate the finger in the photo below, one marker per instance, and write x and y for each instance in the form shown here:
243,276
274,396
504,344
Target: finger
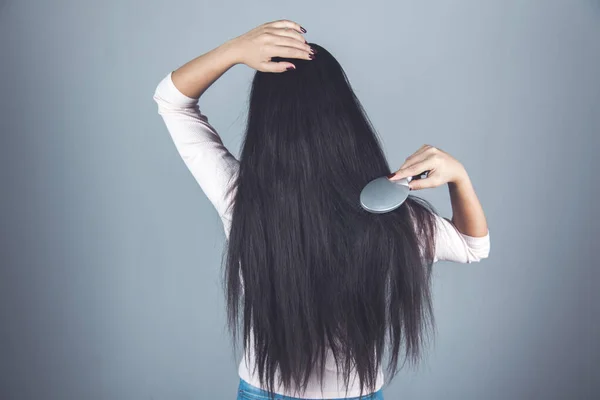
290,42
421,149
291,33
424,152
286,23
425,183
289,52
415,169
417,160
282,66
414,159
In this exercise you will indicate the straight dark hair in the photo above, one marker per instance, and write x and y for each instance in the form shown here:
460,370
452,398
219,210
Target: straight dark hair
307,269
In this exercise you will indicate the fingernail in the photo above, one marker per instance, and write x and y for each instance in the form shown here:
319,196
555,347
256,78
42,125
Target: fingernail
313,51
391,175
290,68
305,42
303,30
311,56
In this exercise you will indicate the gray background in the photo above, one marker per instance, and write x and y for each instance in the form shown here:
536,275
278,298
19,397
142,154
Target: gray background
109,286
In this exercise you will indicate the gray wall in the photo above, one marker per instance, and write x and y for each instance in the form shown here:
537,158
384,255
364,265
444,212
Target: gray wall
109,281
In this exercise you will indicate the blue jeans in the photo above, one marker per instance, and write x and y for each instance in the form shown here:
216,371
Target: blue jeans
248,392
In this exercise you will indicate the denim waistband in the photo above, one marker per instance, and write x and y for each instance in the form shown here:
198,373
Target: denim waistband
246,391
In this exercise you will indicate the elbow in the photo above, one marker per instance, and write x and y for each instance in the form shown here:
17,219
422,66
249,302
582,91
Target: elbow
156,93
158,99
163,106
476,255
161,99
477,248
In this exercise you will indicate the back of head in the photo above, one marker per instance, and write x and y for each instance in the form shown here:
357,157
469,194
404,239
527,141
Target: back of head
318,271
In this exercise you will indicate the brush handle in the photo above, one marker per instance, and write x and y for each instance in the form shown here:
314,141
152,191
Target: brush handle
422,175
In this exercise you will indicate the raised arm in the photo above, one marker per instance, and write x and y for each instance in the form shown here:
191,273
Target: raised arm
467,213
198,144
255,48
464,238
453,245
177,96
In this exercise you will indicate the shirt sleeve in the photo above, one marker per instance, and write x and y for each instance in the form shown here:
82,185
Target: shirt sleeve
453,245
199,145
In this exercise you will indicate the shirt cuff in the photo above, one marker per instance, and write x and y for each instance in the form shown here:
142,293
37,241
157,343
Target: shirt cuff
167,90
477,242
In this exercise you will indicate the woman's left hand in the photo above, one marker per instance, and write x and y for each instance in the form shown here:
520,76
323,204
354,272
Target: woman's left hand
442,167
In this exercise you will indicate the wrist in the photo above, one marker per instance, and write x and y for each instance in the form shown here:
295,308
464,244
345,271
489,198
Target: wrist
232,52
461,178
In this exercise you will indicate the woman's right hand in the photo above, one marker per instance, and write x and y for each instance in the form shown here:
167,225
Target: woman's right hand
442,167
282,38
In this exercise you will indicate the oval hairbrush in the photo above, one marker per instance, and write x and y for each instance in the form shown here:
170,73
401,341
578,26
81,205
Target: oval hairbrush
382,195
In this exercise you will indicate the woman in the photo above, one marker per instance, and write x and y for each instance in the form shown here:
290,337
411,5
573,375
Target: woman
317,284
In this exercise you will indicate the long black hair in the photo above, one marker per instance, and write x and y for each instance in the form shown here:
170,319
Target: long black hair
307,269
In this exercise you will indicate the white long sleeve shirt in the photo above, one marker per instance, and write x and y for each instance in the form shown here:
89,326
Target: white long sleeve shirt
213,167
